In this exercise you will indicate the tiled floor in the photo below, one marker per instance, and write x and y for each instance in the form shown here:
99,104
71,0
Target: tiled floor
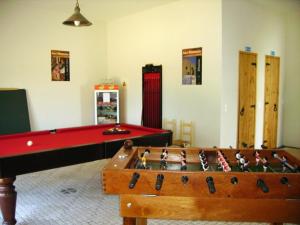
73,196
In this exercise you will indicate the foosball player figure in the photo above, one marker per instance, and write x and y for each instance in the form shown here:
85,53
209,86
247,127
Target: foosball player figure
242,162
257,157
147,152
163,159
246,166
202,154
219,153
183,154
183,165
163,163
265,164
203,159
219,161
144,161
205,166
165,153
238,156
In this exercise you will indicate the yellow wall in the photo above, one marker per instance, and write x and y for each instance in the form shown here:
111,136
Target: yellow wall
158,36
291,106
28,34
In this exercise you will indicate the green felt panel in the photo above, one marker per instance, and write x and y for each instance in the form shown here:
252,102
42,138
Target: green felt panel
14,116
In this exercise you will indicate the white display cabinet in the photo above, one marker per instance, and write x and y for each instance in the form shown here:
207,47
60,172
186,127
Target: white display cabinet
107,104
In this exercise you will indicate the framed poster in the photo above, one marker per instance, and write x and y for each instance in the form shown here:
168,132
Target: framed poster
60,65
192,66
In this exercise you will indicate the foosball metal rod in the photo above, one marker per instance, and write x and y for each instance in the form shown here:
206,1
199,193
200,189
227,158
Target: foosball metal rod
276,156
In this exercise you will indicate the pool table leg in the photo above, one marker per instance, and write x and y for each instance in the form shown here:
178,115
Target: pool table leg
134,221
8,199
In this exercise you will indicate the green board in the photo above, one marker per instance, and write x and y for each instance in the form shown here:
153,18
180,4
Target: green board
14,116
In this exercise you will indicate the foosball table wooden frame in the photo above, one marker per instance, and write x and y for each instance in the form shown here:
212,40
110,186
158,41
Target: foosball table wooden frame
243,200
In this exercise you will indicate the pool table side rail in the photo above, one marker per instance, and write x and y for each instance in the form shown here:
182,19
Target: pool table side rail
155,140
80,128
54,158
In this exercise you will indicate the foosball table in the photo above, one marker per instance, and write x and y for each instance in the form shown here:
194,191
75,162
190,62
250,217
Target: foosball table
204,184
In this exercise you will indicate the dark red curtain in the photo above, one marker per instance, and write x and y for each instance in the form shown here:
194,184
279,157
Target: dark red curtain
152,99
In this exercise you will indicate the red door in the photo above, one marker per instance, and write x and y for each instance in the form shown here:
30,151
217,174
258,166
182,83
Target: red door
152,96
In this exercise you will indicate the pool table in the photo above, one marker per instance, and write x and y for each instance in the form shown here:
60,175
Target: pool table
41,150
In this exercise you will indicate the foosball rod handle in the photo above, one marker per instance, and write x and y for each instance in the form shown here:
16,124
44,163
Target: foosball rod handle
262,185
159,181
211,184
133,180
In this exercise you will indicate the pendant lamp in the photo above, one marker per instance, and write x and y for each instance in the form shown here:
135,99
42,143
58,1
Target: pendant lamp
77,19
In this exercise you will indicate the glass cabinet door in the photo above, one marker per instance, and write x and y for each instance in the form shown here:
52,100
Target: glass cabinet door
107,107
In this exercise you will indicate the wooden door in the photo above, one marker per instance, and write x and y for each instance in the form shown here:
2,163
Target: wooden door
272,68
247,99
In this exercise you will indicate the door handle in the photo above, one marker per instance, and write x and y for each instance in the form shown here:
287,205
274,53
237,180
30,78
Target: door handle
242,111
275,107
252,106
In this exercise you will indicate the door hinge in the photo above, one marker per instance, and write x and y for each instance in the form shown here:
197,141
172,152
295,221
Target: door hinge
245,145
268,64
252,106
253,64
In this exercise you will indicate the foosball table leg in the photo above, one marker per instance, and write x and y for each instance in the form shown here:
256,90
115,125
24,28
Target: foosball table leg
134,221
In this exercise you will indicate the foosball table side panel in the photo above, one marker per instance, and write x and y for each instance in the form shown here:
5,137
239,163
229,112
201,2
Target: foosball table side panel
118,182
217,209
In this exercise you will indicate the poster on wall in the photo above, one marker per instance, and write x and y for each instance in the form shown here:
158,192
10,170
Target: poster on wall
60,65
192,66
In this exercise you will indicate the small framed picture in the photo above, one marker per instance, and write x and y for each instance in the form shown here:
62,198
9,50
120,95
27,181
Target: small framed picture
60,65
192,66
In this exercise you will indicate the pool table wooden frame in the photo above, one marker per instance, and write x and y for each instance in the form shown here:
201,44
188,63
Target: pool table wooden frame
27,162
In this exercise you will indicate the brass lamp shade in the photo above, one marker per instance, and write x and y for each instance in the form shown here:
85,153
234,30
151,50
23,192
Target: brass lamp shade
77,19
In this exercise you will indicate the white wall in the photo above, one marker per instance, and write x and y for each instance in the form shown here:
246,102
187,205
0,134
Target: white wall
291,113
158,36
28,33
246,23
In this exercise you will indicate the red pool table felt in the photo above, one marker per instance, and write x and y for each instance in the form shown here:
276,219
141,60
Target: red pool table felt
16,144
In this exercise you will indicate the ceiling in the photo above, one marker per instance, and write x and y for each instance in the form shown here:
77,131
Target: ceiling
106,10
284,6
93,9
